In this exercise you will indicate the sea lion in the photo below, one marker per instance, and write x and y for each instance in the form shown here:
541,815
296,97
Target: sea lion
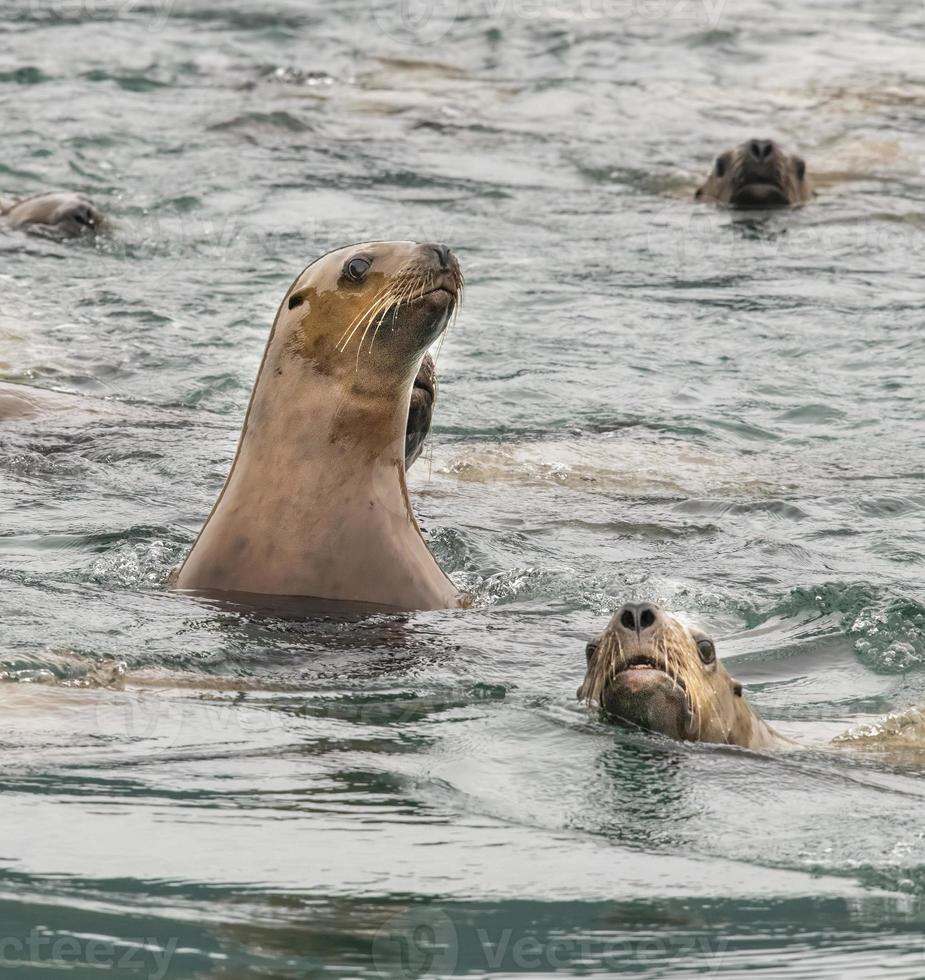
421,410
757,174
651,670
69,212
315,504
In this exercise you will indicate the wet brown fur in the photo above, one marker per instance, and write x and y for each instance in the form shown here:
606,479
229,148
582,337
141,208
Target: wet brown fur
737,168
719,712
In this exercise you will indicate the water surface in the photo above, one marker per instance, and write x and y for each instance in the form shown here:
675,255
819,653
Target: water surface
643,399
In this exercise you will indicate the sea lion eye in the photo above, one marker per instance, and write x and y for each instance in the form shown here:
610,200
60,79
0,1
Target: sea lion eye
706,650
721,166
590,650
800,167
295,300
355,269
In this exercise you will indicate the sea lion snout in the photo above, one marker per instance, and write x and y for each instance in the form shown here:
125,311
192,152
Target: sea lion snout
761,150
440,268
637,618
443,254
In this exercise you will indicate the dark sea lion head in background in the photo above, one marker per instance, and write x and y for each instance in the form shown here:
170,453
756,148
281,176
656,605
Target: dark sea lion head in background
649,669
421,412
316,503
69,213
758,174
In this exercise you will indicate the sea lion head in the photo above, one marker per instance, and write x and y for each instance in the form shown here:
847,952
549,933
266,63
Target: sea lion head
371,310
68,213
649,669
757,174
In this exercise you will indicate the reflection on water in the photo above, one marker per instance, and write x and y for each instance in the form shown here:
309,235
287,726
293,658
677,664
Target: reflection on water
644,399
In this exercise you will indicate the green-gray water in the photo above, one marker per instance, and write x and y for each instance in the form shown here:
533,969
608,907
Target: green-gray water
643,399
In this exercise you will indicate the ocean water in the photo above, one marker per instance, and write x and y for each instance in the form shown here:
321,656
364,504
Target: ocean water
643,398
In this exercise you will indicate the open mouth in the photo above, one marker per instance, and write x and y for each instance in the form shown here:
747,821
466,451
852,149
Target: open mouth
640,663
643,663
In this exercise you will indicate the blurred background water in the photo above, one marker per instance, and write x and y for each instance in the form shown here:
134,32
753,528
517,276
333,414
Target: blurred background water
643,399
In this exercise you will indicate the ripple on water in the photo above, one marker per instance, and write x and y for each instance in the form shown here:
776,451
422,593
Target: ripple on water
643,400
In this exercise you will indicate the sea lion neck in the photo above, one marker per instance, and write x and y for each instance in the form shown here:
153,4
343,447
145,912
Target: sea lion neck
304,404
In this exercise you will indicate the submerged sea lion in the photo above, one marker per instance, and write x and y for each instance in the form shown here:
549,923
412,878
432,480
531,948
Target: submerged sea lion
757,174
315,504
649,669
68,212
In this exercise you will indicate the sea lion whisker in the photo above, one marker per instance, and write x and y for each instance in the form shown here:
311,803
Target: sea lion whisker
344,340
355,324
395,310
401,298
342,344
381,307
380,312
381,318
440,346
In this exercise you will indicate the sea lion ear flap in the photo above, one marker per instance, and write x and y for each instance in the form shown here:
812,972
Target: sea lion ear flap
737,689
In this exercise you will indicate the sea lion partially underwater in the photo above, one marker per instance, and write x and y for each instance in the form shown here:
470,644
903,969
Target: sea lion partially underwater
649,669
757,174
315,504
69,213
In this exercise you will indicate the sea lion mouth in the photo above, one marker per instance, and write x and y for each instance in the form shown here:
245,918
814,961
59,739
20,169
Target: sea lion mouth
759,194
447,284
642,692
646,696
644,663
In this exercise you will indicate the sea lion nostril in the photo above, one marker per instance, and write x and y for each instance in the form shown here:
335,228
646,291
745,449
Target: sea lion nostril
627,620
646,618
761,149
443,256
